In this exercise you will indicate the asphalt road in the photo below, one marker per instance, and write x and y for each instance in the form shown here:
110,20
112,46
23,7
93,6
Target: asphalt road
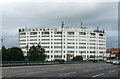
92,70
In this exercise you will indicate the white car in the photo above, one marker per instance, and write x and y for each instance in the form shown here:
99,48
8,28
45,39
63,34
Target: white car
108,61
113,60
117,62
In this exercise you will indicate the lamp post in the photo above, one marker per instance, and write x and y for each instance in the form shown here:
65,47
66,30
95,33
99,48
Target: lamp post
94,49
62,38
27,53
2,42
81,56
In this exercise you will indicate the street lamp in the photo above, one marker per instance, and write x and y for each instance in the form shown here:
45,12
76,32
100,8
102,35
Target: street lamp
94,49
2,42
27,52
62,38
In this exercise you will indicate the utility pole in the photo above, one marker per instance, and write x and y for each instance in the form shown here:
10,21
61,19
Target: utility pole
2,42
81,24
27,53
94,49
62,39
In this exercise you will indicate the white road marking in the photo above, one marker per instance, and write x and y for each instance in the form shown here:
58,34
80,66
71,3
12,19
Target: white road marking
100,68
111,71
87,70
98,75
118,69
67,73
114,66
107,67
108,64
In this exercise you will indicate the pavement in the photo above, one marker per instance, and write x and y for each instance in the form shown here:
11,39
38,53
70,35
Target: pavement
86,70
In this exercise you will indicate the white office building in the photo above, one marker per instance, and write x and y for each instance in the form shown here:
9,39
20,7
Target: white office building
68,42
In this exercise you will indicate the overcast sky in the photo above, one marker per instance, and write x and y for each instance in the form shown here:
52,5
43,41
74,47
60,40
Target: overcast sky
50,14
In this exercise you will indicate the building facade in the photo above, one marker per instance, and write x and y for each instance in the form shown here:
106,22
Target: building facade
65,42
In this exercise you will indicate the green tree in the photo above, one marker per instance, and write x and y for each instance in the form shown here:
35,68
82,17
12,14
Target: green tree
5,54
77,58
15,54
36,53
12,54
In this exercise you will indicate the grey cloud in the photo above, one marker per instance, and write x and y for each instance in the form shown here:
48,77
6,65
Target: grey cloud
19,15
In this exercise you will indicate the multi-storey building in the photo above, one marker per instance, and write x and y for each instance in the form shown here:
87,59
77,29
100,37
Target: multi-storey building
67,42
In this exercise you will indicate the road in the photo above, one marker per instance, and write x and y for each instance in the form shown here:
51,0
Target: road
92,70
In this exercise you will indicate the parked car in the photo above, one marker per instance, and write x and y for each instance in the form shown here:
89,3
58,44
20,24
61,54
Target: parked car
113,61
108,61
117,62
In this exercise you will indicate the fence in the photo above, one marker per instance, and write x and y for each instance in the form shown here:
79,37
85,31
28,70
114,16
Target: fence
32,63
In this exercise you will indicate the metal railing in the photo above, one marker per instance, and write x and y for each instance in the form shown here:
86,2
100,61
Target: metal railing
34,63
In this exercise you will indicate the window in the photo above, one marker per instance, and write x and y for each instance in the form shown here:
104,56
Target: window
82,47
57,56
51,51
22,40
70,51
47,56
45,42
82,39
22,43
101,52
57,51
57,42
71,36
57,46
45,32
82,51
70,39
100,34
92,47
45,46
33,36
70,43
23,33
92,51
51,56
93,40
92,33
45,36
33,39
33,33
33,43
21,30
57,36
82,33
101,48
22,36
101,44
45,39
58,32
57,39
46,51
71,47
70,33
92,44
82,43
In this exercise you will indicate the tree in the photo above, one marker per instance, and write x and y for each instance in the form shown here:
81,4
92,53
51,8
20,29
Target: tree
12,54
77,58
15,54
5,55
36,53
